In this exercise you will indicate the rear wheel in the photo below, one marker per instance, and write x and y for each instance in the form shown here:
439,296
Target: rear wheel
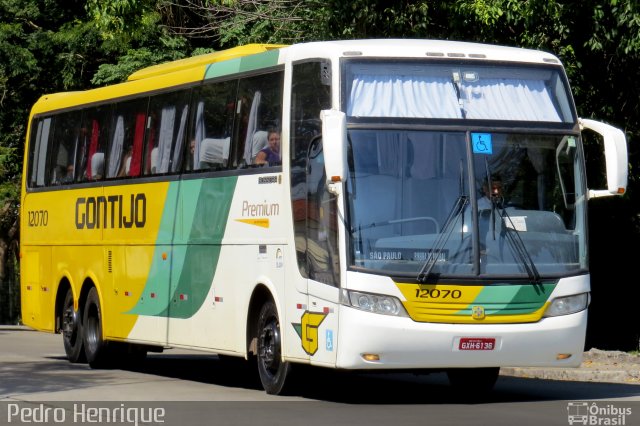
273,371
72,330
95,348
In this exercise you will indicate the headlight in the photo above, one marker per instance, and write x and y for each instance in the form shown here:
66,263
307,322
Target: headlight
567,305
376,303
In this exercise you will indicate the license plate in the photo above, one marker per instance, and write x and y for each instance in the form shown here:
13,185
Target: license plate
477,344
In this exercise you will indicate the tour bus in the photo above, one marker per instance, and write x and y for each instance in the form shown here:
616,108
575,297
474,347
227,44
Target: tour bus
358,205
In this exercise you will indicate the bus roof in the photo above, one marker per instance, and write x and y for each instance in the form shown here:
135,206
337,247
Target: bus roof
194,69
148,79
206,59
412,48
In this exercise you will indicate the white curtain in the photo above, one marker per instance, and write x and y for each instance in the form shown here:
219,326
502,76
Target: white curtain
116,148
199,136
166,138
252,126
423,96
509,99
175,166
403,96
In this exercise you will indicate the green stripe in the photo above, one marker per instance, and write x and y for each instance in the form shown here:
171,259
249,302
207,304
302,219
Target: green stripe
510,299
160,270
204,206
243,64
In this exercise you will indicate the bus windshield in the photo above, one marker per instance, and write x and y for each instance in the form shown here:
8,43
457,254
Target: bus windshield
510,205
470,91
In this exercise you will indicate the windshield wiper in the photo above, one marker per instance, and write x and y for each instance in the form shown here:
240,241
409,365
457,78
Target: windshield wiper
519,246
513,236
447,230
396,221
456,211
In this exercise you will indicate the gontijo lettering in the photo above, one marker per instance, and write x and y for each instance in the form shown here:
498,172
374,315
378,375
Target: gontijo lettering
113,211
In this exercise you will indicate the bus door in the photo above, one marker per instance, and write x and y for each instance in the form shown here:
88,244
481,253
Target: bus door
323,263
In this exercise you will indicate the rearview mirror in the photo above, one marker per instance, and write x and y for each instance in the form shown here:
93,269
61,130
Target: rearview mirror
334,142
615,152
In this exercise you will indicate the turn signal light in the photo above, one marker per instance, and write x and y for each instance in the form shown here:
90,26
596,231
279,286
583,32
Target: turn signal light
371,357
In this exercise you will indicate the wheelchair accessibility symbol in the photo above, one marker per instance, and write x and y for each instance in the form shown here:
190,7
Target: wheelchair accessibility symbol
482,143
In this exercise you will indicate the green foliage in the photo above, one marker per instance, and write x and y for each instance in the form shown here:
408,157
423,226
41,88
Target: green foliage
123,21
55,45
135,59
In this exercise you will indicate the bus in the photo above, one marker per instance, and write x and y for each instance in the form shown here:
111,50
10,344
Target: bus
420,205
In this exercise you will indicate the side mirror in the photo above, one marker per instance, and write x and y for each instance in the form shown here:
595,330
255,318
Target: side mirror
615,152
334,143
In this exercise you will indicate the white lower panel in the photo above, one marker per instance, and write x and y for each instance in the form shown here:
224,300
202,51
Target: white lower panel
403,343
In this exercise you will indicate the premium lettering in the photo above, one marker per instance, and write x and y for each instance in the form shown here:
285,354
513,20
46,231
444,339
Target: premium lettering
264,209
114,211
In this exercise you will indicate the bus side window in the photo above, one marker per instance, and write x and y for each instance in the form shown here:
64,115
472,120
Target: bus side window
166,127
211,126
260,100
64,147
127,137
93,142
38,151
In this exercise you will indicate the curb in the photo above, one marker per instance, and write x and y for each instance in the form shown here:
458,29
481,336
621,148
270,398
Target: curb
15,327
579,374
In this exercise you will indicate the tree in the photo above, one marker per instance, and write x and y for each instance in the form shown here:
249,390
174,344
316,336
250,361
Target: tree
54,45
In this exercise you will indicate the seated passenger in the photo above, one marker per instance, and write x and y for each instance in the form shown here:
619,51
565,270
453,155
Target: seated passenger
271,154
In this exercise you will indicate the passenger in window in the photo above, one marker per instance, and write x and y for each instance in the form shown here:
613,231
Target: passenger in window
271,154
491,197
125,167
191,158
68,177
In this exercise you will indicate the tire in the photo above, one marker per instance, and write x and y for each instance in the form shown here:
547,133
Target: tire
471,381
272,370
72,337
95,348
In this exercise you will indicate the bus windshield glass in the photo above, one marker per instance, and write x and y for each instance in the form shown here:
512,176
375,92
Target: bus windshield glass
508,205
471,91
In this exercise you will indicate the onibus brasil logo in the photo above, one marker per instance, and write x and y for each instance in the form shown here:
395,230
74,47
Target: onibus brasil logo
597,414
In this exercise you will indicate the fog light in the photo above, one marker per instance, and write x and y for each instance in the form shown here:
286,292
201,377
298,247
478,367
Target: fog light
371,357
563,356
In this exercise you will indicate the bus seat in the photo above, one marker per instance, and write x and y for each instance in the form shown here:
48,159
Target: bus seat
214,152
127,166
258,142
154,160
97,165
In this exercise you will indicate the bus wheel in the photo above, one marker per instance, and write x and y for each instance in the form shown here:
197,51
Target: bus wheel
95,347
272,370
72,330
473,380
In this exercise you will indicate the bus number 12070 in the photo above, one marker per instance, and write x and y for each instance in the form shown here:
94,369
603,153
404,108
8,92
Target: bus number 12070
435,293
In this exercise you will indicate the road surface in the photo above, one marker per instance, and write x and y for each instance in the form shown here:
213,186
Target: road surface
186,388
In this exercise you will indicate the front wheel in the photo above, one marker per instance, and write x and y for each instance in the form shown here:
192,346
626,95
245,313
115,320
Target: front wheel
72,330
95,348
273,371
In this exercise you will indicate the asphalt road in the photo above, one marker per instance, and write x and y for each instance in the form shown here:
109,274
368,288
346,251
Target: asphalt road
185,388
